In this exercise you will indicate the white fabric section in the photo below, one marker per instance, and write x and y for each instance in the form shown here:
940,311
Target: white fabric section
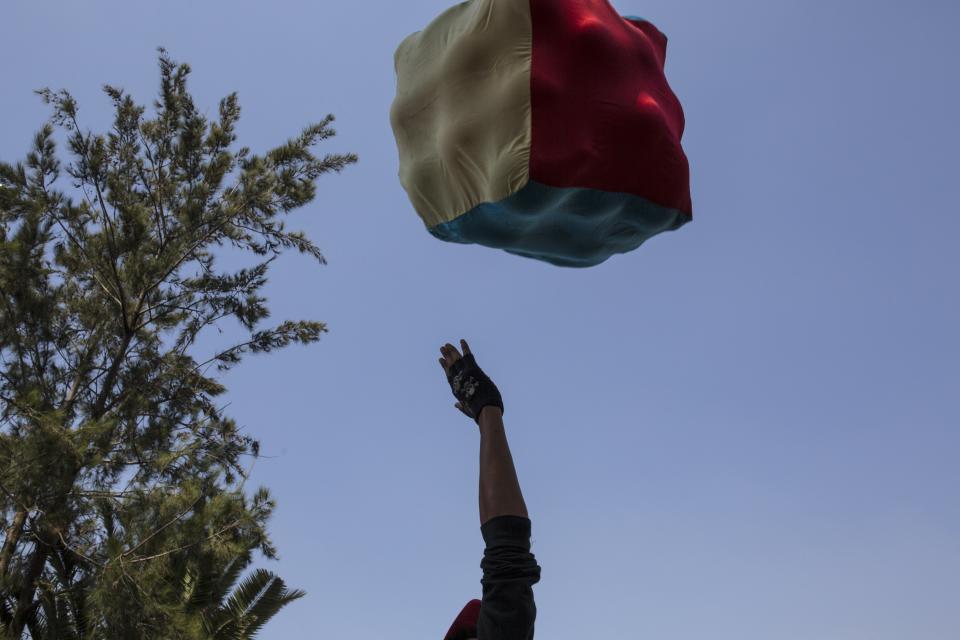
461,116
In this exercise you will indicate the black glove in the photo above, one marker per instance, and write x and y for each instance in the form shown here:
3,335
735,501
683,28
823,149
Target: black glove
472,387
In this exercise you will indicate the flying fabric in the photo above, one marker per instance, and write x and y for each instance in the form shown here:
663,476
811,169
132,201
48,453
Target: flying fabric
545,128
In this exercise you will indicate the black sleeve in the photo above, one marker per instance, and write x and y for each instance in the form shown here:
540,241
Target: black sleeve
509,573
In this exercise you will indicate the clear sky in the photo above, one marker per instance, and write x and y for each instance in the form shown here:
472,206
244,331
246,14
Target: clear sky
746,429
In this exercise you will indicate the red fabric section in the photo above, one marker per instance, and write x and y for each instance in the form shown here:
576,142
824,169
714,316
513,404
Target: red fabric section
465,624
604,116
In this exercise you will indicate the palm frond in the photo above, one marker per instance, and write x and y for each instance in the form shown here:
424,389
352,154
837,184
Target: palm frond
251,605
273,598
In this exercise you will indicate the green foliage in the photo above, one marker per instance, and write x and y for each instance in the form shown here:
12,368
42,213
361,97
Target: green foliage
122,504
221,614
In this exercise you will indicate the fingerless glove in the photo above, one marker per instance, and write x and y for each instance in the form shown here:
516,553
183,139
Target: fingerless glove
472,387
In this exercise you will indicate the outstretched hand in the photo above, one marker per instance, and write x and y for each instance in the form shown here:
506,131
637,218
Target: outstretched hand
451,355
471,386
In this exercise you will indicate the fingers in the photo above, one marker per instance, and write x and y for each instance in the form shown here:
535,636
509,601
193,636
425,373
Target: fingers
451,355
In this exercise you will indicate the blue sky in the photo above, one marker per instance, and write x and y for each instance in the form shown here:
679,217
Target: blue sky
748,428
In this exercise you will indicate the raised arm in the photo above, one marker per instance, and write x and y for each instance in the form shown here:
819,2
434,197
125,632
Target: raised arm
508,610
479,399
499,487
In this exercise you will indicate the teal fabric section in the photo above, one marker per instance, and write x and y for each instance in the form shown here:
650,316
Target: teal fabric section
567,227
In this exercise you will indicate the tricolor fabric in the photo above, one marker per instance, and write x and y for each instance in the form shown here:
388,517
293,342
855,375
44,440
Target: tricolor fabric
545,128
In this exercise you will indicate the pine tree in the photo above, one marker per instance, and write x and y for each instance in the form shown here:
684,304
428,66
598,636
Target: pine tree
120,475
